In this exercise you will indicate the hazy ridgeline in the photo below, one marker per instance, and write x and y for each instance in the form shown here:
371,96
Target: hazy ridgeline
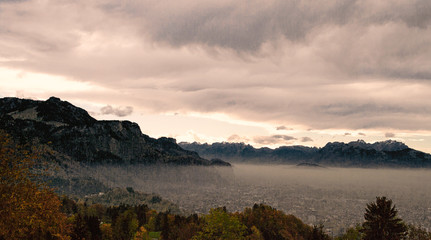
334,196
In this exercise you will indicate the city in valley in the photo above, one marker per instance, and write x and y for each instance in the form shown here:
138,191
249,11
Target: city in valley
334,197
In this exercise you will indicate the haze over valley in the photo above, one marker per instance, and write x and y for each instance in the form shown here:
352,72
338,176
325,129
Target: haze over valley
335,197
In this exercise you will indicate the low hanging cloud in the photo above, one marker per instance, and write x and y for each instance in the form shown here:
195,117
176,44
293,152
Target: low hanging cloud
237,138
306,139
279,128
274,139
119,111
389,135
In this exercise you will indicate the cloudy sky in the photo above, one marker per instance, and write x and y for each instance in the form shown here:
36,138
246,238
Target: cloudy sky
269,73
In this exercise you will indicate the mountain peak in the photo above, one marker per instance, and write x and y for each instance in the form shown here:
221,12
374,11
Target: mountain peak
53,99
389,145
360,141
53,110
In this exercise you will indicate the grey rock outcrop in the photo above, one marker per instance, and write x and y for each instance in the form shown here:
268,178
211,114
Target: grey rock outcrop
72,133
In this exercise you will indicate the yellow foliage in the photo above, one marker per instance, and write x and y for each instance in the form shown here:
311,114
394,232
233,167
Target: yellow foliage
106,230
255,234
28,209
142,234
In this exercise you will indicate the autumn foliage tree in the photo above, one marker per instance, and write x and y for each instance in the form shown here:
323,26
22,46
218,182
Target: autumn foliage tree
276,225
28,208
219,225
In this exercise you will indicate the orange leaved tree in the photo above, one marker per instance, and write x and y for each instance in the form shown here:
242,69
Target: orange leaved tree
28,208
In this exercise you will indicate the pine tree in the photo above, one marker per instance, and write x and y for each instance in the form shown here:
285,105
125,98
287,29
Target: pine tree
382,222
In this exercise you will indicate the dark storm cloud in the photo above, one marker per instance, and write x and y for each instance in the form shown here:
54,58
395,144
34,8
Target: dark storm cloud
119,111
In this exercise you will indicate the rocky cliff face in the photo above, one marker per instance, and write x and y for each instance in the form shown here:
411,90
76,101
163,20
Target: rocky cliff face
354,154
72,133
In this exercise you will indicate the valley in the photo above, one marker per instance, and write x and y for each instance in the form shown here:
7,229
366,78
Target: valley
335,197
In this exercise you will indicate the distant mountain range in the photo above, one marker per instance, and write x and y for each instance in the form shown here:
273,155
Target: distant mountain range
354,154
71,133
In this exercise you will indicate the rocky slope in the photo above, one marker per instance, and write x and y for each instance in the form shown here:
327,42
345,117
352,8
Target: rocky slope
354,154
71,133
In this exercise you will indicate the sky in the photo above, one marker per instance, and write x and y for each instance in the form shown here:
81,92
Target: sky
267,73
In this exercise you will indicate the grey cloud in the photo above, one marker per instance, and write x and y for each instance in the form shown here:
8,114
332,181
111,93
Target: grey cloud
283,128
354,113
414,14
406,73
306,139
242,25
246,25
347,134
362,134
341,64
274,139
237,25
284,137
235,138
11,1
389,135
120,111
345,109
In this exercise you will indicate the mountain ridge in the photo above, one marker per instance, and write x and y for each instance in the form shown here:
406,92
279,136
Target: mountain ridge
358,153
70,132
